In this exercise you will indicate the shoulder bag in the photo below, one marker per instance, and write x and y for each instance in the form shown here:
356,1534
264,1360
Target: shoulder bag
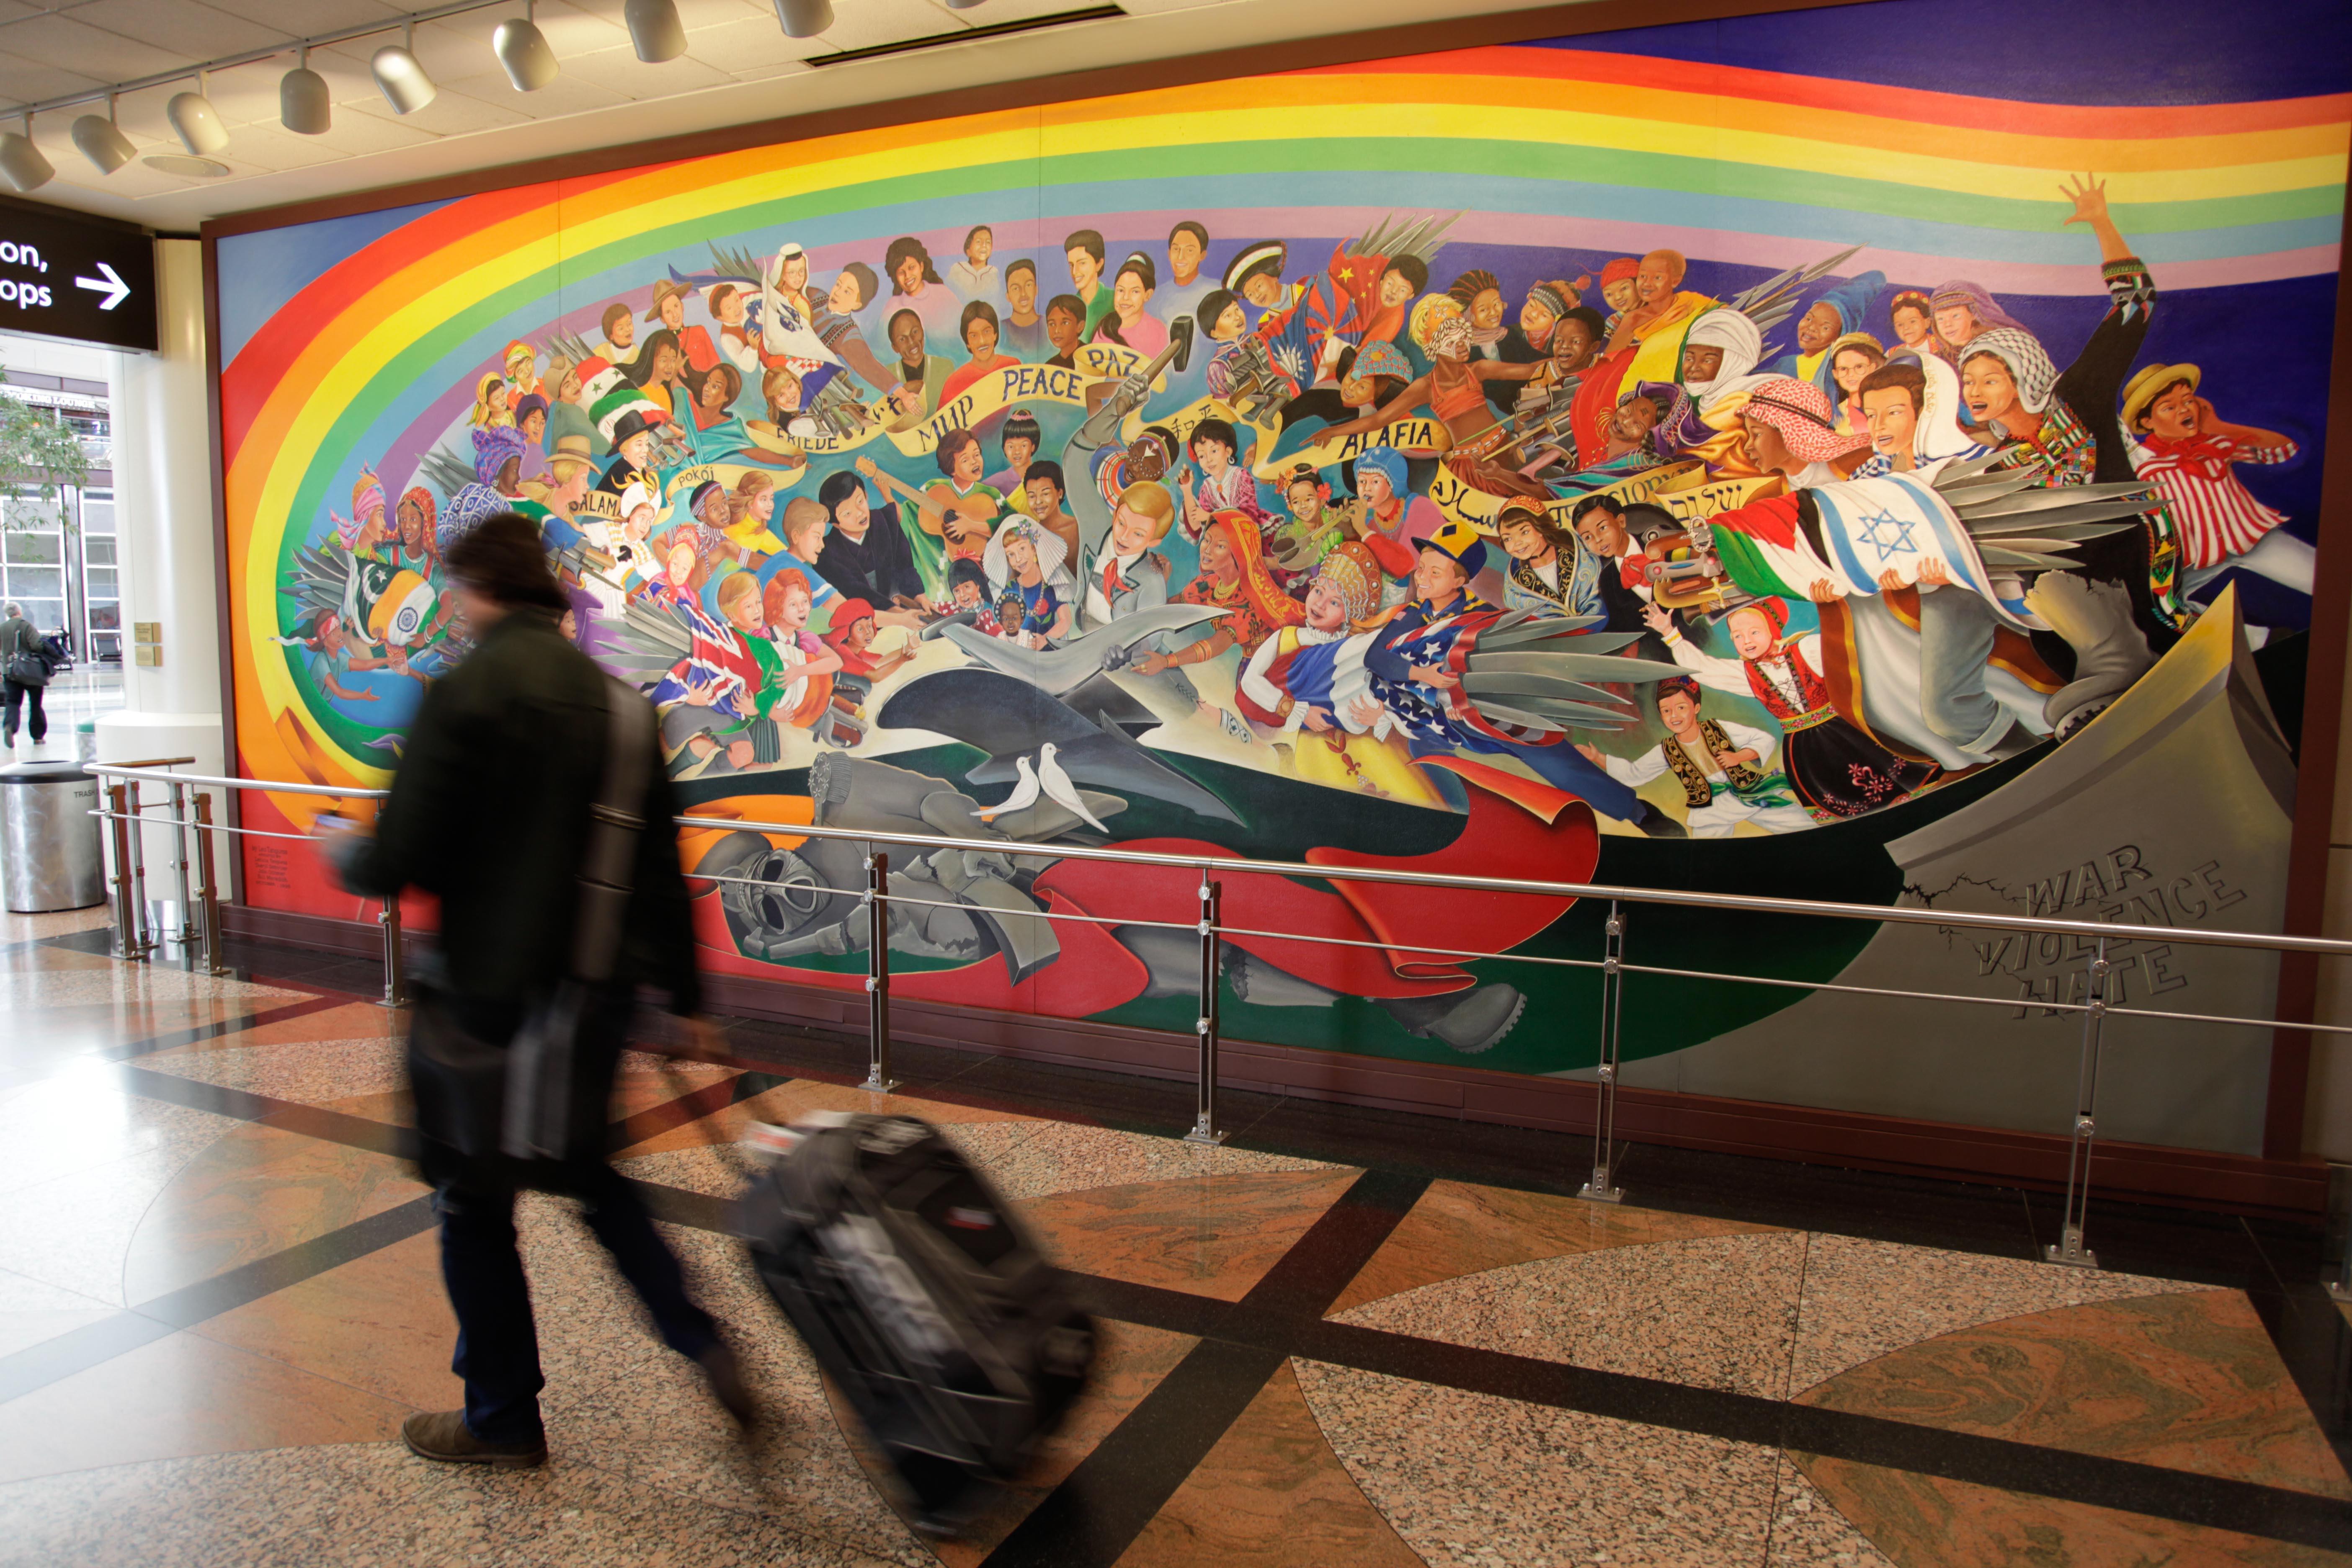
518,1110
26,666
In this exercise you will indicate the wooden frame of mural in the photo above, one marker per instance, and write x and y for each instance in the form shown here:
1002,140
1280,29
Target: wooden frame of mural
1719,1085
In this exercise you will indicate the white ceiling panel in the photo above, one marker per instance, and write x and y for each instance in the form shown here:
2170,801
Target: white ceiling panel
739,68
300,18
754,43
354,134
185,29
620,72
23,80
70,44
565,96
451,113
862,23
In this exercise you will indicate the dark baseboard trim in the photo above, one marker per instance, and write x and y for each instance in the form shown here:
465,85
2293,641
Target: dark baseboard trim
2237,1183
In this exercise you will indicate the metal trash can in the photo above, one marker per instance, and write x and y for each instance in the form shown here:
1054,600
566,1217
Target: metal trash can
49,857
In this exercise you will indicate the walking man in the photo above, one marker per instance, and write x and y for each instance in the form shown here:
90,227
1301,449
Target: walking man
491,812
22,654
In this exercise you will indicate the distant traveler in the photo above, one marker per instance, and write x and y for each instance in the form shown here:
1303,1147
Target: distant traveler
491,810
24,672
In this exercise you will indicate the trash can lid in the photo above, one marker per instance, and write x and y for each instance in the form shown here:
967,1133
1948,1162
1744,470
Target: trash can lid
86,727
42,772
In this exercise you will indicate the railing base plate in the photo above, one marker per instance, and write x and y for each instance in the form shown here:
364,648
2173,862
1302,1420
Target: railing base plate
2085,1259
1599,1194
2339,1292
876,1084
1202,1134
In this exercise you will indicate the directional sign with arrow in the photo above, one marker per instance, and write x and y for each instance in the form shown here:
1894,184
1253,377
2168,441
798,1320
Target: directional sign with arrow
109,283
69,275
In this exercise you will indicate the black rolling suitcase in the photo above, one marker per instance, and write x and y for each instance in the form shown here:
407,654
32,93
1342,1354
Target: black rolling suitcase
923,1296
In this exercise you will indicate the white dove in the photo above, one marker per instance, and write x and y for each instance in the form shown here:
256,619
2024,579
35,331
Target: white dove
1059,789
1023,792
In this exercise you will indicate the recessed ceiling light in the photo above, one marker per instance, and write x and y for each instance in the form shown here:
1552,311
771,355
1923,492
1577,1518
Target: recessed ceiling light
180,163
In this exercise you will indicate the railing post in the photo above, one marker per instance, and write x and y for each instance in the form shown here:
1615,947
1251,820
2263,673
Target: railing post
2069,1248
180,863
1601,1189
118,840
877,973
395,979
138,824
1204,1119
207,892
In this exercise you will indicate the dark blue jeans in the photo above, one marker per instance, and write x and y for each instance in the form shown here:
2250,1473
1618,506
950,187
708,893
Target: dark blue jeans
498,1342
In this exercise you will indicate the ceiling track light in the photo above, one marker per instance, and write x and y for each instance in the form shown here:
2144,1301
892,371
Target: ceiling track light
195,120
21,164
803,19
102,140
400,75
654,29
522,48
304,105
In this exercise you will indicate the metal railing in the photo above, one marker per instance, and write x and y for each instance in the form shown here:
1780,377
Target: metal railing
123,807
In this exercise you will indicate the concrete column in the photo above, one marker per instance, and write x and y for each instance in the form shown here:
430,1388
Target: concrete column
163,508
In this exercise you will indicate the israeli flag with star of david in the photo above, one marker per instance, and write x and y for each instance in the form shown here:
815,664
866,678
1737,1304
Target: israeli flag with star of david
1897,523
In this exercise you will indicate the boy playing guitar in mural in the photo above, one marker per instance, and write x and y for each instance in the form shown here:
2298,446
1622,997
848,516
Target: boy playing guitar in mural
957,510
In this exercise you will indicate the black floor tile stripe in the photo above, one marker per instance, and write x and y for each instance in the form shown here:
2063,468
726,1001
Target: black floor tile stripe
1101,1506
2272,1512
1095,1515
54,1360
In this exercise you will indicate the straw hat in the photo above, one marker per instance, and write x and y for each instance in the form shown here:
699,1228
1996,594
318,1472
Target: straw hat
2152,382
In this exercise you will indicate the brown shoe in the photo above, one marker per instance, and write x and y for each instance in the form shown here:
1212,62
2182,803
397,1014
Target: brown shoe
443,1435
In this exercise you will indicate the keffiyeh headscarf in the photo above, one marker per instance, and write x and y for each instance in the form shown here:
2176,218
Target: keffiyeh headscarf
1799,411
470,508
2027,361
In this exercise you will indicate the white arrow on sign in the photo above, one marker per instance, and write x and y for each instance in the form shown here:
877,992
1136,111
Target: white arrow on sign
111,285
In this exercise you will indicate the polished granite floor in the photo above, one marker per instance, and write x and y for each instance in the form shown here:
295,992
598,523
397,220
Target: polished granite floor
1346,1337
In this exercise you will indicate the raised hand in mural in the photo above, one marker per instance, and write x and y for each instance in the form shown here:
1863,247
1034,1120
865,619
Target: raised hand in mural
2089,195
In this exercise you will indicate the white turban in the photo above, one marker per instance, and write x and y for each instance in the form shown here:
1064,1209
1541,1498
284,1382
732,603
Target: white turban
1740,339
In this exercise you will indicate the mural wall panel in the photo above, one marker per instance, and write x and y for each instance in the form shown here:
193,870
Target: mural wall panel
1868,454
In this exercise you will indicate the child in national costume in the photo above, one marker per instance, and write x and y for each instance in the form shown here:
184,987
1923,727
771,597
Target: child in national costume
1309,676
1839,769
1725,769
1410,662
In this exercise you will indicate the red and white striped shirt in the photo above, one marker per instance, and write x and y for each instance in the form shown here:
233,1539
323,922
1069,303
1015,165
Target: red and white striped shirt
2216,516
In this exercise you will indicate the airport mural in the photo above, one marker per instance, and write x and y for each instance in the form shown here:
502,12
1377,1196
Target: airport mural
1786,455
